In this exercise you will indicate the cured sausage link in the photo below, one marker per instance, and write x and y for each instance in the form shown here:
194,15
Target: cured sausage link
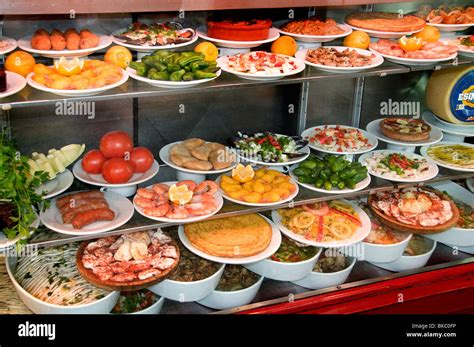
84,218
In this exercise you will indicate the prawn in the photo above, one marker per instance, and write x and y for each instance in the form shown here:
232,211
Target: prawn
188,183
146,193
200,208
317,210
157,211
160,188
144,202
206,197
177,212
209,187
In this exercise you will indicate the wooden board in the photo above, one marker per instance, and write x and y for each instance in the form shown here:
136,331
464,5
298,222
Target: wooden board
122,286
395,224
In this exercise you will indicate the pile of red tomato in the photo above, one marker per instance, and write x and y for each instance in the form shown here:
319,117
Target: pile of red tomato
116,159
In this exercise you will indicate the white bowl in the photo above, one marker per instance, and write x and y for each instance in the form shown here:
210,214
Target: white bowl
222,300
188,291
153,309
101,306
384,253
319,280
408,262
282,271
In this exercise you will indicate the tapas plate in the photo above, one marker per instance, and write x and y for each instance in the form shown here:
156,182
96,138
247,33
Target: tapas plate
314,38
54,187
272,36
15,83
424,151
384,34
9,45
412,61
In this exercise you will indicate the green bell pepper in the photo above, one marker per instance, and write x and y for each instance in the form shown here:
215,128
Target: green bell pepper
177,75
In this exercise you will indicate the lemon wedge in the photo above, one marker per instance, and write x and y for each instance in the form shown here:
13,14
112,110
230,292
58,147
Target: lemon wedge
180,195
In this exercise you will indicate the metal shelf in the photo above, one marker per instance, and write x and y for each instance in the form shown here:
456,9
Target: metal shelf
47,238
134,89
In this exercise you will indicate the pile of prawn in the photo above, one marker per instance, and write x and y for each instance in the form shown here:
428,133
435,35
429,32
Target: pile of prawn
455,15
429,50
155,201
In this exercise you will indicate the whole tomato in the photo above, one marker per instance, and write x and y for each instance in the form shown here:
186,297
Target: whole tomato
93,161
117,170
141,158
116,144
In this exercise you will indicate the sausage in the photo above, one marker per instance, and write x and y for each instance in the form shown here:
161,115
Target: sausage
79,203
84,218
65,200
69,216
72,39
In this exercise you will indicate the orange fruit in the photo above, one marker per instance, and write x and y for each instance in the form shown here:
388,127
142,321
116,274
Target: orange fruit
410,43
209,50
242,173
357,39
180,195
284,45
429,34
20,62
68,67
119,56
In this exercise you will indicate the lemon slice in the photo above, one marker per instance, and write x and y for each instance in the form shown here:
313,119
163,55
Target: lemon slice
242,173
68,67
180,195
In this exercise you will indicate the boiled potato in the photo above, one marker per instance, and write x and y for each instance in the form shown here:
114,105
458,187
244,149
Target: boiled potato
252,197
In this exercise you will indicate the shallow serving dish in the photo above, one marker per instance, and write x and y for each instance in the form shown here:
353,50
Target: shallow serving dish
319,280
221,300
188,291
101,306
282,271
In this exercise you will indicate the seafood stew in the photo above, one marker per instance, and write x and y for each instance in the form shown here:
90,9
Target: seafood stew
291,252
136,301
236,277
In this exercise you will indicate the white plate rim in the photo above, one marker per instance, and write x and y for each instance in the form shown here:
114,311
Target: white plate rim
430,118
20,84
309,38
289,198
25,44
378,60
164,156
373,128
364,218
433,167
145,176
307,133
222,63
122,205
273,34
269,251
384,33
151,48
157,83
217,196
461,49
65,180
359,186
414,61
13,44
424,152
75,92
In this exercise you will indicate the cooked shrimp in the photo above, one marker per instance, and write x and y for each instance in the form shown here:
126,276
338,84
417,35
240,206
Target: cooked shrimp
200,208
146,193
209,187
160,188
157,211
206,197
177,212
144,202
316,209
188,183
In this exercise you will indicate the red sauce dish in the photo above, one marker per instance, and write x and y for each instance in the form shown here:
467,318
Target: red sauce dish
252,30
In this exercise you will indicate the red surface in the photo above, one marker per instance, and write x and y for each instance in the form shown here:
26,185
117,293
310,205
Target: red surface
239,31
449,290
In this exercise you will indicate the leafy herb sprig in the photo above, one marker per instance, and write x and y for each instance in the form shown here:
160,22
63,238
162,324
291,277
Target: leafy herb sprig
17,187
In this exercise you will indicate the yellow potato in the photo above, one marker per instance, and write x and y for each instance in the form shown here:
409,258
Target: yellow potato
283,192
259,187
260,173
248,186
238,194
61,83
271,197
268,187
230,187
274,173
252,197
268,178
80,84
287,185
40,78
281,179
41,69
228,179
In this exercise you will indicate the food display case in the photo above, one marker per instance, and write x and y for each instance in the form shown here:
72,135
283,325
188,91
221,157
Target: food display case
307,98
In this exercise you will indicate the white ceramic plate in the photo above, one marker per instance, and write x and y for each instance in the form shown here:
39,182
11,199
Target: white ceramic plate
384,34
12,44
289,198
454,129
104,41
424,150
470,184
373,127
165,157
359,186
272,248
272,36
249,159
462,50
122,207
453,125
169,84
310,132
451,27
455,236
15,83
314,38
148,49
378,60
222,63
360,234
75,92
7,243
217,196
413,62
98,180
427,175
56,186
